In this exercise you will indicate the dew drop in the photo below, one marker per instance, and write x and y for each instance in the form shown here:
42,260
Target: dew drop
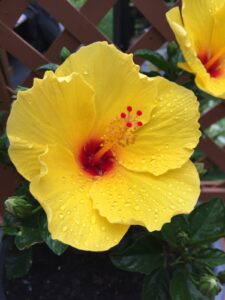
85,73
172,206
93,220
62,207
61,216
137,207
64,229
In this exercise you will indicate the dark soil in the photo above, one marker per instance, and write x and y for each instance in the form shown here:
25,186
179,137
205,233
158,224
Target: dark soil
76,275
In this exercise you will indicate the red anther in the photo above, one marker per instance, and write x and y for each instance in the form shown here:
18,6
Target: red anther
129,124
123,115
129,108
139,123
139,113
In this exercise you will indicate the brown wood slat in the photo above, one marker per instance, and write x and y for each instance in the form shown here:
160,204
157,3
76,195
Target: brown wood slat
10,10
154,11
151,39
95,15
66,39
80,26
23,51
214,152
215,114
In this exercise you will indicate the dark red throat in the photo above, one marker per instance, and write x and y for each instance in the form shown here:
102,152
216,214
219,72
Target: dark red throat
95,168
215,70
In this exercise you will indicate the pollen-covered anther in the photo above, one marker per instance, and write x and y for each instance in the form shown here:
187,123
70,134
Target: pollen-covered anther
119,133
129,124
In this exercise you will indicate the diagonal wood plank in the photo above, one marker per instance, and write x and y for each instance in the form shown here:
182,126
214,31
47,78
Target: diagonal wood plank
79,25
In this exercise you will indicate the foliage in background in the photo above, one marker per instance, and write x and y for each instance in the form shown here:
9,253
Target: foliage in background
179,260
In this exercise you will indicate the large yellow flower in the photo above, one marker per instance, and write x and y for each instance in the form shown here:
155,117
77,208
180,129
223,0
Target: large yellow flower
199,29
105,147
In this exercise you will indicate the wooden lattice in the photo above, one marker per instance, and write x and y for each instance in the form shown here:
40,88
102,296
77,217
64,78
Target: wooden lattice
81,28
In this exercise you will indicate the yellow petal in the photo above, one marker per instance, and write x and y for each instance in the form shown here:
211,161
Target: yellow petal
54,110
198,17
201,32
115,79
213,86
142,199
185,67
168,139
63,191
186,44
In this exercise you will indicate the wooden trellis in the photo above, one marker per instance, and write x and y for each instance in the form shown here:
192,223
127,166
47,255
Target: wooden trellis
81,28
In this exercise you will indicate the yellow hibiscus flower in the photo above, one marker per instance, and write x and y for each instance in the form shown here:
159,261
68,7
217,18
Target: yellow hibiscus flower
105,147
199,30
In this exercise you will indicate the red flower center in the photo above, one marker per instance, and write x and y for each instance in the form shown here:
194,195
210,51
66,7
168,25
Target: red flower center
93,166
213,67
97,156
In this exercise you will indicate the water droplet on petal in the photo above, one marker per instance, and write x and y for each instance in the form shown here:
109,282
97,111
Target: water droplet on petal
93,220
64,229
137,207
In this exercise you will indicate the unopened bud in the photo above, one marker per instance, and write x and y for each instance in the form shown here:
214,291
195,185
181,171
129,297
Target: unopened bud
209,286
18,207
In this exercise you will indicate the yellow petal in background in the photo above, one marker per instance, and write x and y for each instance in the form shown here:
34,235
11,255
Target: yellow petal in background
63,191
142,199
200,34
168,139
54,110
115,79
198,17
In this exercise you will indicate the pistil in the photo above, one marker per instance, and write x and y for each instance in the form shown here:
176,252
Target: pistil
215,58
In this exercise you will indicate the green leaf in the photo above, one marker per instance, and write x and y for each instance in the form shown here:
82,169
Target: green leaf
153,57
207,222
172,50
27,237
210,257
156,286
170,231
18,263
64,53
57,247
144,255
181,288
9,230
47,67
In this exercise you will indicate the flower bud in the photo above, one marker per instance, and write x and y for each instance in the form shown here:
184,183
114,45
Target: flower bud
209,286
18,207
